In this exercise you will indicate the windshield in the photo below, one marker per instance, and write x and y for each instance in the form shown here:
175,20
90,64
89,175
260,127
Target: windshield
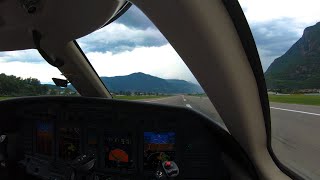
136,62
287,35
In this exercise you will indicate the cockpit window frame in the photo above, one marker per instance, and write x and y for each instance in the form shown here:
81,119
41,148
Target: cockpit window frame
243,29
83,54
121,11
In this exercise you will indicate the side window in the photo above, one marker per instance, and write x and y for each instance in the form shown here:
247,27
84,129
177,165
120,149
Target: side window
287,35
26,73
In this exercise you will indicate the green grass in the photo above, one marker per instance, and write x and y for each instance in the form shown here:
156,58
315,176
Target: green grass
117,97
3,98
198,95
290,99
137,97
296,99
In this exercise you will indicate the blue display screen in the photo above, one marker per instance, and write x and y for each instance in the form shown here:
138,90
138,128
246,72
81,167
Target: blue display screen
44,127
159,138
158,147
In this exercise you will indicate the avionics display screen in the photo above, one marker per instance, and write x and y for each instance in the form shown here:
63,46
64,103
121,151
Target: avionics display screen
118,150
44,137
92,141
158,147
92,138
69,143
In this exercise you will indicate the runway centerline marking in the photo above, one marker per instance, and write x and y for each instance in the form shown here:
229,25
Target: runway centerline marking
290,110
188,105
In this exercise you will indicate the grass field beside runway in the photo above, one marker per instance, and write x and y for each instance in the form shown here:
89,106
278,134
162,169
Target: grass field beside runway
290,99
296,99
138,97
118,97
3,98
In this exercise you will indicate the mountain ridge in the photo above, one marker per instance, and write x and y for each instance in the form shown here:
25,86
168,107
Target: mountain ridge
299,67
141,82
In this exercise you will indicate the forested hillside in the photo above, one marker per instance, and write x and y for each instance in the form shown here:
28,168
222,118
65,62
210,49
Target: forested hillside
299,67
17,86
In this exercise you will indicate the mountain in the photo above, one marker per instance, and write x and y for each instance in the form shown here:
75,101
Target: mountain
299,67
140,82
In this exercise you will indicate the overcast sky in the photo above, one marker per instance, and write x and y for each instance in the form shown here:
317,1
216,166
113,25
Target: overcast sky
133,44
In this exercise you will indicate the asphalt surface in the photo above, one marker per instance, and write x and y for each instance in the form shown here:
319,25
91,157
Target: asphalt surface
296,137
295,131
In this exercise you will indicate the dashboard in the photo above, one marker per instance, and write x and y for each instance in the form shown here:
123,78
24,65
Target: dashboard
62,138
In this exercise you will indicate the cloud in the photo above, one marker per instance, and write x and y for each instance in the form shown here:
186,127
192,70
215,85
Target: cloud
134,17
42,71
306,11
133,44
27,63
277,25
133,29
274,38
118,37
30,55
160,61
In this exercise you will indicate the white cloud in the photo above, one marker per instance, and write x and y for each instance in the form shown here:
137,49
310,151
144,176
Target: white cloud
27,63
116,35
300,13
29,55
160,61
306,11
278,24
42,71
119,32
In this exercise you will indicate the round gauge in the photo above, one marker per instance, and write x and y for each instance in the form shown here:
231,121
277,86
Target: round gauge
118,155
118,150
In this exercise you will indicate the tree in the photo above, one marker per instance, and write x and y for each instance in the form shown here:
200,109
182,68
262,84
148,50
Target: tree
17,86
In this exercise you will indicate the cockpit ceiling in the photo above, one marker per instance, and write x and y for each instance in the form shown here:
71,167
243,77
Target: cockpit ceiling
58,21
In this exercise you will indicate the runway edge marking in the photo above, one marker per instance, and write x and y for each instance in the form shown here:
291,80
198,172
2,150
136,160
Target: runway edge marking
290,110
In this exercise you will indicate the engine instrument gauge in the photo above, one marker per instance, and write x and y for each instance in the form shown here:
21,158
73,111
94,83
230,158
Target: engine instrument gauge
118,150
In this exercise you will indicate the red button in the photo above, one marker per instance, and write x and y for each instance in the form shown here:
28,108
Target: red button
167,164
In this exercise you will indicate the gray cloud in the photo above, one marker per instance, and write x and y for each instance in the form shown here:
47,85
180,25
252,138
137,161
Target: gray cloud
135,18
133,29
274,38
30,55
117,37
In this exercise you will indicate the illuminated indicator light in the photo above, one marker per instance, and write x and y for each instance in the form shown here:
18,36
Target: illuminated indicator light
167,164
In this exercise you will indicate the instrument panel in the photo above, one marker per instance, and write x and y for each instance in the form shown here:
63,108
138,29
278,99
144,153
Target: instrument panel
115,139
115,150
